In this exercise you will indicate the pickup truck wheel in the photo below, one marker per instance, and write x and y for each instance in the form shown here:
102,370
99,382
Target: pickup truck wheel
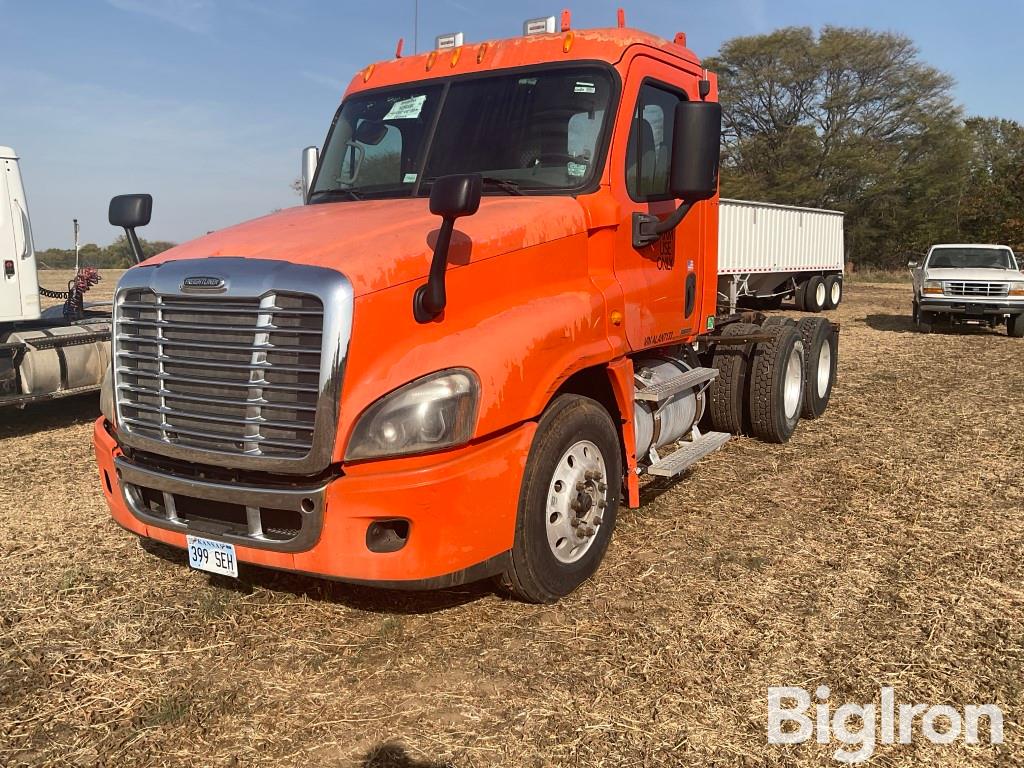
777,385
1015,326
568,501
727,394
833,291
925,320
821,358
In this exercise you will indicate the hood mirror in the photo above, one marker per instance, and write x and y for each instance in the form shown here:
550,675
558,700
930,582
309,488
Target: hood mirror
310,158
129,212
451,197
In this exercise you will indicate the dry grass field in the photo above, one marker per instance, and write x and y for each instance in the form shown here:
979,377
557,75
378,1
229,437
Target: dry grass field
883,546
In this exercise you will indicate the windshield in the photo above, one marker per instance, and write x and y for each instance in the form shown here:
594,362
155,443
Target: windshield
525,133
971,258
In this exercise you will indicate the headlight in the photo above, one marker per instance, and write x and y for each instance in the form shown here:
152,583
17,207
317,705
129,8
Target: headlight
933,287
1017,289
437,411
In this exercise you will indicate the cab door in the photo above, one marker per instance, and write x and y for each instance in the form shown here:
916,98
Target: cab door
660,282
10,292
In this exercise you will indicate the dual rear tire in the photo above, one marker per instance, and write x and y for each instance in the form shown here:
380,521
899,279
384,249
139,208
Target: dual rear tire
819,293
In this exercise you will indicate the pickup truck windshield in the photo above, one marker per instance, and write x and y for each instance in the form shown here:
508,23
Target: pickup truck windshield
971,258
525,132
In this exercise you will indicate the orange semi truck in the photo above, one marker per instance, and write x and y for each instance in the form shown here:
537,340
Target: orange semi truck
494,313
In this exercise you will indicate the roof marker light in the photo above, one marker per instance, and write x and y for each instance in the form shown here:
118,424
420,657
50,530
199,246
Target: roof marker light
541,26
451,40
368,72
431,59
481,52
567,43
456,55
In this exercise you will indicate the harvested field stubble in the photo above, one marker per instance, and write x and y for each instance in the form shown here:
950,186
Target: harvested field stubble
883,546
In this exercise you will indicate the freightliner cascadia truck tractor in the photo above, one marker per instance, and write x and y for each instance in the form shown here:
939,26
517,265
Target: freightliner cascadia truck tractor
493,315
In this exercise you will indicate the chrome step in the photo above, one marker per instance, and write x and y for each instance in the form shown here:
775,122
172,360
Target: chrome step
690,453
655,393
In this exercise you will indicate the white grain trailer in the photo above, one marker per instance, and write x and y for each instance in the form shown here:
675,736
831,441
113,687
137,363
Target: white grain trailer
768,252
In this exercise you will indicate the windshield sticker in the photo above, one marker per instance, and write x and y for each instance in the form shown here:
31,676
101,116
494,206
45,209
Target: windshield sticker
576,169
582,87
527,80
409,178
406,109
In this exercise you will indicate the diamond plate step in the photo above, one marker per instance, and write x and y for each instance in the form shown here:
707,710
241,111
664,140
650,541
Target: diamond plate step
675,463
692,378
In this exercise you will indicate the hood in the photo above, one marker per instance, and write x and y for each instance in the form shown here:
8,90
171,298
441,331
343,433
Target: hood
984,275
381,243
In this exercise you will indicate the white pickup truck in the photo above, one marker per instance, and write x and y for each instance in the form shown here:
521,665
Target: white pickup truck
971,285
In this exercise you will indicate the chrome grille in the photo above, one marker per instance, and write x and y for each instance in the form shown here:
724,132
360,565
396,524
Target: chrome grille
245,375
234,375
976,289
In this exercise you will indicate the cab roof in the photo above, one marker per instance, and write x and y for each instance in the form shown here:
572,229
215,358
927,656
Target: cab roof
607,45
8,153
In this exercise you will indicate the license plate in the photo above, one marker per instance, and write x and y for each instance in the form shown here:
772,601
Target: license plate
212,556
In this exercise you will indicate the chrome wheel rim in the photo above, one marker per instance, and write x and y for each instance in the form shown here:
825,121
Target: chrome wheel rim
794,382
824,368
577,499
819,294
837,292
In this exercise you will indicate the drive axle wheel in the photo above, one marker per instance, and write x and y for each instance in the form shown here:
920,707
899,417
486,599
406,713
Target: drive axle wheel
727,394
777,384
821,350
568,502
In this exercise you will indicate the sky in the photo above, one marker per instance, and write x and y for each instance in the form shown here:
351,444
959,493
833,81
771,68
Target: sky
207,104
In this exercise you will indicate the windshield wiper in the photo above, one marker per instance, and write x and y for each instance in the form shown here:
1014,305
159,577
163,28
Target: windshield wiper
351,194
505,185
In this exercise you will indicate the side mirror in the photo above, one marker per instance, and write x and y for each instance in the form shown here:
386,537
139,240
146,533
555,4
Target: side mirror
912,264
693,175
696,150
129,212
451,197
310,158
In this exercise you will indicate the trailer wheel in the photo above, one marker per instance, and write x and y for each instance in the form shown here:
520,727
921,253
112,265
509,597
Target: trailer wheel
833,291
814,294
821,353
1015,326
568,501
727,394
777,385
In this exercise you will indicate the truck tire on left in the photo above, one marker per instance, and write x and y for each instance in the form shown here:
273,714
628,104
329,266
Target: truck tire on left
568,501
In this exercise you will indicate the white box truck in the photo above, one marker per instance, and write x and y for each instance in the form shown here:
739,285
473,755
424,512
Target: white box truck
43,354
769,252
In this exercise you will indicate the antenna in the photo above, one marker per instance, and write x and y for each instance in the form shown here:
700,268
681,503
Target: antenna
77,264
415,26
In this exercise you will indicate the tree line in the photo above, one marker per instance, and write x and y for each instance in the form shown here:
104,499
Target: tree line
117,255
853,120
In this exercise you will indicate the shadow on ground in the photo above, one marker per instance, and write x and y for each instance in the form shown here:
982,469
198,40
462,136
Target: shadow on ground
357,596
52,414
392,755
905,324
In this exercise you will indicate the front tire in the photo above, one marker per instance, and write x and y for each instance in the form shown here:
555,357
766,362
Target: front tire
1015,326
568,501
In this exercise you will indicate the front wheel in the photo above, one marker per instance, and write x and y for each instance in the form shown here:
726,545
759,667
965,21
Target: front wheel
568,502
1015,326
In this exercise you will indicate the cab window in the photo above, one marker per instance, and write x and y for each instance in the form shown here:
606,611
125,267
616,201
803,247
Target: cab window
649,150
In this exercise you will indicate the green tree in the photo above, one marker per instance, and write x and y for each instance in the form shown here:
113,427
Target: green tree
848,119
991,209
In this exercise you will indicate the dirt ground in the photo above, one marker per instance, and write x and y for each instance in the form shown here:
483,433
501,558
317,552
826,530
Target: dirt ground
883,546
